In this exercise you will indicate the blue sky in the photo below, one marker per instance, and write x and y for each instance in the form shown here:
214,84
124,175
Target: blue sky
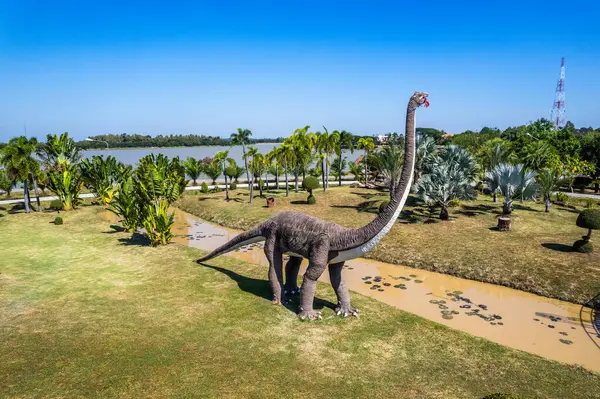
209,67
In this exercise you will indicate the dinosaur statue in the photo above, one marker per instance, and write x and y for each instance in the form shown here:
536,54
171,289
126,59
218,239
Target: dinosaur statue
325,243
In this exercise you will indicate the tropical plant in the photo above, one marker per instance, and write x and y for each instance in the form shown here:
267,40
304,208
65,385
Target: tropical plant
234,172
447,176
248,158
60,156
345,139
537,155
389,161
514,182
301,143
424,147
338,168
587,219
212,171
273,169
125,206
6,183
494,152
220,161
356,170
242,137
258,166
193,168
204,187
549,180
286,159
20,165
102,176
366,144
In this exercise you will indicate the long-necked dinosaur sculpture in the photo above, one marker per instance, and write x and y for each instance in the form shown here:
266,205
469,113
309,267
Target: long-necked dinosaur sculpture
325,243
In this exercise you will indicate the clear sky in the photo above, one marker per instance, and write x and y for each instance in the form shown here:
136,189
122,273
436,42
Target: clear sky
91,67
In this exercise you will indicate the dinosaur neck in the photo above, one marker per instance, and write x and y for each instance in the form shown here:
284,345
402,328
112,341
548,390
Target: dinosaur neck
364,238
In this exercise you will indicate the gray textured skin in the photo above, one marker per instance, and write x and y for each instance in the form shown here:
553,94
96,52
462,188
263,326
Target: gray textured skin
304,236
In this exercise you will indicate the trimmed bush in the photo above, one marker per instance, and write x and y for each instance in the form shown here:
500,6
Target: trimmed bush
233,186
310,183
204,187
583,246
383,205
311,200
589,219
231,171
57,205
58,220
502,396
453,203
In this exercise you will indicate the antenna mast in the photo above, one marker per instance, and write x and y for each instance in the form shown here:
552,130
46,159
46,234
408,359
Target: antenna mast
558,110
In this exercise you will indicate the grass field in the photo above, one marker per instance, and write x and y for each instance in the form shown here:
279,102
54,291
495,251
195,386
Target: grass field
87,312
533,257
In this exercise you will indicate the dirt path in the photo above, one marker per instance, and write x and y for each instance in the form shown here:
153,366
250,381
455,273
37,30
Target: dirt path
546,327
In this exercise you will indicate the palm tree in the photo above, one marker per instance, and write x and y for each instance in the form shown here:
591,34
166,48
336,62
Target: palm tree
425,147
537,155
17,158
192,168
286,158
355,170
273,158
330,146
6,182
220,162
242,137
258,166
345,139
300,141
367,144
514,182
447,176
549,180
389,161
252,151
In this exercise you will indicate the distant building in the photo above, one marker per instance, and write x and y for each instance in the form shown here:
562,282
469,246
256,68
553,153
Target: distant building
382,139
447,135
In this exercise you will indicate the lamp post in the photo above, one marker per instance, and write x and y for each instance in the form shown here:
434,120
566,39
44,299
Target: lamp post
100,141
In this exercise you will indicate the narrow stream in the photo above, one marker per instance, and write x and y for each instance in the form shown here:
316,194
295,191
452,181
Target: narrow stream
546,327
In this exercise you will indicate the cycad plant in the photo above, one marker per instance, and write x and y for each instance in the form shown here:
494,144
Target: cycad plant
447,176
514,181
193,168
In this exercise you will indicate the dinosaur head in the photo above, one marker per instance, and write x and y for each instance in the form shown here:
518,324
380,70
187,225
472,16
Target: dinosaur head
420,98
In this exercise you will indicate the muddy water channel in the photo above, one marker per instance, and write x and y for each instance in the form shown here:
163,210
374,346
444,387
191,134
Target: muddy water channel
547,327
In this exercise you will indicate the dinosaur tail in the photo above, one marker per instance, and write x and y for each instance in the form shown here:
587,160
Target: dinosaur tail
247,237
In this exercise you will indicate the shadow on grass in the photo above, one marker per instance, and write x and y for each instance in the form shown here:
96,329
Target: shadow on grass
558,247
298,202
207,198
115,229
136,239
366,206
525,208
474,210
262,289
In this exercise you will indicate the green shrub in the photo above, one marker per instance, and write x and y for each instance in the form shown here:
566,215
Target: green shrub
310,183
204,187
383,205
589,219
503,396
311,200
589,202
233,186
231,171
583,246
562,197
454,203
57,205
58,220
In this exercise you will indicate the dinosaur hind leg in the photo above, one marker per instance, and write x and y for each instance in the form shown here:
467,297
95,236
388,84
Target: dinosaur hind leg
275,258
316,266
341,290
292,268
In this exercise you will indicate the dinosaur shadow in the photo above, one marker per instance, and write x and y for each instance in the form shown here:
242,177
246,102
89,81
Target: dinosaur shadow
366,206
558,247
262,289
474,210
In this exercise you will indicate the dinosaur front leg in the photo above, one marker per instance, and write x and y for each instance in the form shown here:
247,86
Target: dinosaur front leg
292,267
316,266
275,258
341,290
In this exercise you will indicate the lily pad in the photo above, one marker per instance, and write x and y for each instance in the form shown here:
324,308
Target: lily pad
566,341
447,316
563,333
368,282
550,326
387,284
458,292
418,281
413,275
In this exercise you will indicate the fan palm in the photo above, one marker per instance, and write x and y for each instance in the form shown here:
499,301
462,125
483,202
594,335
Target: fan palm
514,181
549,180
425,147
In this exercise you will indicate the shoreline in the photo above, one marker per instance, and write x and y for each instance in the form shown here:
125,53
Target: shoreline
159,148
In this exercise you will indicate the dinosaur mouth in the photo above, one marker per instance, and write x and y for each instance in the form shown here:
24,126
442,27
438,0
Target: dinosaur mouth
426,103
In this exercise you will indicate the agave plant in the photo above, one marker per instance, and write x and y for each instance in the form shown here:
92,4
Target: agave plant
447,176
514,181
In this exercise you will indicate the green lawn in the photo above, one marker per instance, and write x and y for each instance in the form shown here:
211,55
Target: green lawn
532,257
87,312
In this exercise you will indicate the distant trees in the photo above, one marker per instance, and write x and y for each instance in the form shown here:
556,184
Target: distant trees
19,162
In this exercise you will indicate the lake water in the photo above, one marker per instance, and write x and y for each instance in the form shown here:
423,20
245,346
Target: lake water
131,156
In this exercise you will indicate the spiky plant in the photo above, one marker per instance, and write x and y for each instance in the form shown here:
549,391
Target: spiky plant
514,182
193,168
549,180
102,176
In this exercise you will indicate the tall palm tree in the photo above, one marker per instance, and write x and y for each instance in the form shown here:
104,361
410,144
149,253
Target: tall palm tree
220,161
273,158
258,166
300,142
389,161
286,158
242,137
252,152
330,145
17,158
366,144
549,180
345,139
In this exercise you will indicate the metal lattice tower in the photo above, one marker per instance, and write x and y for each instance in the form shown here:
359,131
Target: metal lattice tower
558,110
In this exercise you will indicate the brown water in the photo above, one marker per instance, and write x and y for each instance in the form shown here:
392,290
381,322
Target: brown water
547,327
